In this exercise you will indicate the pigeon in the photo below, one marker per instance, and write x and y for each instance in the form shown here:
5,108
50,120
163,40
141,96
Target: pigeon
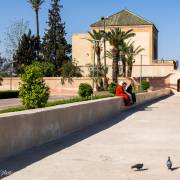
137,166
169,163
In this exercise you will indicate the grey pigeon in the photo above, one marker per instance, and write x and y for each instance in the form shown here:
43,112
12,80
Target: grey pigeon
137,166
169,163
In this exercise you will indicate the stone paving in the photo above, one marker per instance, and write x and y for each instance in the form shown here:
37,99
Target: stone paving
148,134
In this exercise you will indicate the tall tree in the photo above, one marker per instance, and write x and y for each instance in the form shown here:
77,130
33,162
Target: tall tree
13,36
26,52
130,51
116,38
36,6
96,40
97,36
55,47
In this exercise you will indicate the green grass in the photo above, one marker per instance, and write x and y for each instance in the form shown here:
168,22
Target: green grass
21,108
61,102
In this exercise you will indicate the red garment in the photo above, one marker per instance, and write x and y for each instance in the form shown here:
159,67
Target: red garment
120,92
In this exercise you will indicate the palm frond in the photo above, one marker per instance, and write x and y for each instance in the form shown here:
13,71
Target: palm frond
36,4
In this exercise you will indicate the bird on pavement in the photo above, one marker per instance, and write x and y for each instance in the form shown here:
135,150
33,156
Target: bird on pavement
169,163
137,166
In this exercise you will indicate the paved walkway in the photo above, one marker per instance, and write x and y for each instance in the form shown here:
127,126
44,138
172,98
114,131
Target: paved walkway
147,134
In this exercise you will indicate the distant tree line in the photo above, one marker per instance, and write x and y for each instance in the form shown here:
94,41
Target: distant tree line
25,48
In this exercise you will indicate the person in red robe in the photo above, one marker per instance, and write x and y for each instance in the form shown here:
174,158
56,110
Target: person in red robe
120,92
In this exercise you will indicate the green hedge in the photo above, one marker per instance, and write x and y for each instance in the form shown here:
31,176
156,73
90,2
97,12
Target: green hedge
9,94
112,88
145,85
85,90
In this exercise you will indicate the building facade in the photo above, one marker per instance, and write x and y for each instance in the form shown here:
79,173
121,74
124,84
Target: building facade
146,36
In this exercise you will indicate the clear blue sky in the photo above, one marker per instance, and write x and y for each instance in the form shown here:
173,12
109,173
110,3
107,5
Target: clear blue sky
79,14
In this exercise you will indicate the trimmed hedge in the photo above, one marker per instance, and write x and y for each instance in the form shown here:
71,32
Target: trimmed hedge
9,94
112,88
85,90
145,85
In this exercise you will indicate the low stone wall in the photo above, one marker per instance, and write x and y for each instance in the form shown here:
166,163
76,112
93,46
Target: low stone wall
26,129
54,83
144,97
71,89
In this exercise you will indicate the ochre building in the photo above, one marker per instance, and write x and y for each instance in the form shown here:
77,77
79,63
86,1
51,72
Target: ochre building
146,63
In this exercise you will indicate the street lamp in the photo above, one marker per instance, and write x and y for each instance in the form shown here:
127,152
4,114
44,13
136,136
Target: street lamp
11,73
104,31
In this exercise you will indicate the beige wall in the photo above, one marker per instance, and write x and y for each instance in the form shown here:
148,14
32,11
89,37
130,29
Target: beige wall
174,77
153,70
146,36
161,76
54,83
23,130
82,49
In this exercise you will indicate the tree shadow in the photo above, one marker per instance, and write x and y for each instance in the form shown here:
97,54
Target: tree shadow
28,157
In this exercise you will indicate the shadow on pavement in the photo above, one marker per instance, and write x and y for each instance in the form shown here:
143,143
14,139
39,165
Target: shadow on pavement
142,169
28,157
174,168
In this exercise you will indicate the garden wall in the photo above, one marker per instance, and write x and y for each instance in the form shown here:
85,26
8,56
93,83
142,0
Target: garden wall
54,83
71,89
26,129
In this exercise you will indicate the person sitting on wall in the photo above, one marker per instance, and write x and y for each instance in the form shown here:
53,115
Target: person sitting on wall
120,92
127,92
129,89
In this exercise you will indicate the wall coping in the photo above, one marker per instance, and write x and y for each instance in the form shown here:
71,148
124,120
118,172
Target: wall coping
63,106
38,110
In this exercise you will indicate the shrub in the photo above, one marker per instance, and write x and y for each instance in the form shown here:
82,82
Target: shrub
4,74
33,91
85,90
47,68
112,88
9,94
145,85
69,70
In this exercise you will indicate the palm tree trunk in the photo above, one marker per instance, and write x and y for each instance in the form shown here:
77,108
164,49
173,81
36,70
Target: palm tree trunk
115,70
124,66
37,22
114,77
115,67
129,71
99,79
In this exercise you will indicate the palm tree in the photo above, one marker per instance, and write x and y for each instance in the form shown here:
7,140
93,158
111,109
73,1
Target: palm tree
96,37
130,52
116,38
36,6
